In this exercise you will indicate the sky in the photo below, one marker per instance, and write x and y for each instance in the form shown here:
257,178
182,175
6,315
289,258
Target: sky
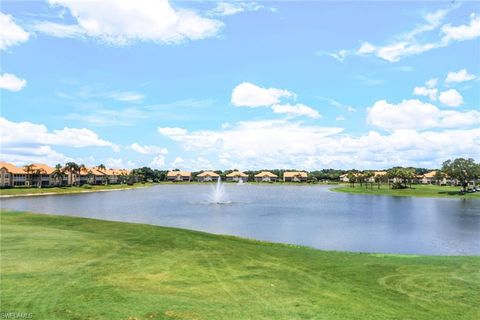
248,85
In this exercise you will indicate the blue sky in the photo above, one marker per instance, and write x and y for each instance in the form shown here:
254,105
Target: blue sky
248,85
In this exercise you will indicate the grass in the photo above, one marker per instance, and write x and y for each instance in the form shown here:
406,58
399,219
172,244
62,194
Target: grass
74,268
18,191
417,190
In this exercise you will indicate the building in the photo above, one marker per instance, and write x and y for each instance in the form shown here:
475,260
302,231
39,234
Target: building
208,176
11,175
377,175
178,176
295,176
237,176
42,175
266,176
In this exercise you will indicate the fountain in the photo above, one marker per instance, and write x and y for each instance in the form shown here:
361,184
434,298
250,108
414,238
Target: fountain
218,195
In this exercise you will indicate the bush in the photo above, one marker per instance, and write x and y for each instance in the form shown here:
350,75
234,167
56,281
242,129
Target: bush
87,186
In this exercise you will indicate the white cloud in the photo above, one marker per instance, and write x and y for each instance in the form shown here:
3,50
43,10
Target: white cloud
59,30
429,90
451,98
296,110
459,76
417,115
123,22
158,162
411,43
148,149
11,34
116,163
287,144
11,82
177,163
462,32
247,94
340,118
169,131
27,133
232,8
366,48
22,155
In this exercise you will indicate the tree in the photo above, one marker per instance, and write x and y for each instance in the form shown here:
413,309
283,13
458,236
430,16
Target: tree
462,170
58,174
72,168
439,176
351,178
29,170
368,175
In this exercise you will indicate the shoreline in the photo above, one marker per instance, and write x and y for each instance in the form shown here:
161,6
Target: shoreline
38,194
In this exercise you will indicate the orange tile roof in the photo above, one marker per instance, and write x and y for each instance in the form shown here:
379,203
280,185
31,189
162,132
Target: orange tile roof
265,174
208,173
291,174
176,173
12,168
237,174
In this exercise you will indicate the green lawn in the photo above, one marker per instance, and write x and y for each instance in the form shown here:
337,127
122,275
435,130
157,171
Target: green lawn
73,268
417,190
24,191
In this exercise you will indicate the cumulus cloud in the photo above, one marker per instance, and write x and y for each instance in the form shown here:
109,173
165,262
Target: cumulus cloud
28,133
148,149
417,115
247,94
11,34
296,110
462,32
459,76
123,22
158,162
451,98
287,144
11,82
428,90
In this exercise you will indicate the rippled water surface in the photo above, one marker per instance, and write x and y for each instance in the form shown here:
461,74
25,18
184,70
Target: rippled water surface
305,215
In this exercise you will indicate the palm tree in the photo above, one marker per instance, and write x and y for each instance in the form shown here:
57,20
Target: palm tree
29,170
58,174
101,167
72,168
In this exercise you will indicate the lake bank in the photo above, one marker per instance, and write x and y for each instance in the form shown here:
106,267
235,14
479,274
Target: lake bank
48,191
417,190
62,267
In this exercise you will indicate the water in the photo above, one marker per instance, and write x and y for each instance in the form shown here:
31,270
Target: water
304,215
218,194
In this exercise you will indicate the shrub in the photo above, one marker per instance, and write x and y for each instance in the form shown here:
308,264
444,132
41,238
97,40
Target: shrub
87,186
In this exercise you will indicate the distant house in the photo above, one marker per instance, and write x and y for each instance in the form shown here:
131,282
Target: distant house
376,176
344,178
237,176
429,178
178,176
207,176
295,176
266,176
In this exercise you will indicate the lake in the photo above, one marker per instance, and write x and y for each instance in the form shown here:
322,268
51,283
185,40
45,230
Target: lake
305,215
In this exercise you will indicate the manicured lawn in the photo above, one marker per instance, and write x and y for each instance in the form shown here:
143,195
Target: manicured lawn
73,268
24,191
417,190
